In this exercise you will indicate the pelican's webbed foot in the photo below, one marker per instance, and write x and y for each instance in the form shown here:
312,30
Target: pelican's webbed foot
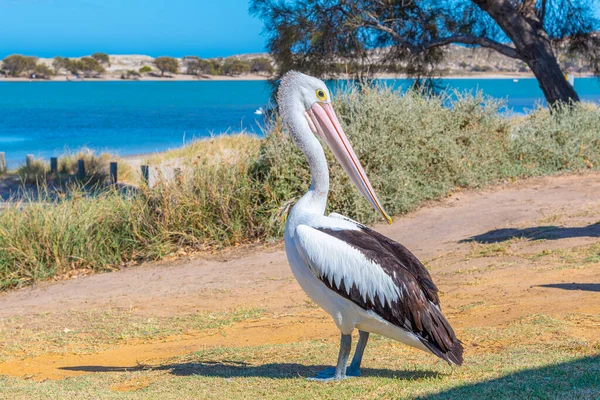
339,372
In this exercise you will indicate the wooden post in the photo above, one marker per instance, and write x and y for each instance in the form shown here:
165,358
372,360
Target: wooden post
2,162
145,174
29,161
80,169
177,173
114,173
53,164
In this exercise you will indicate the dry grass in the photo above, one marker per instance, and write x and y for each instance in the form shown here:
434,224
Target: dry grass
97,166
239,189
523,360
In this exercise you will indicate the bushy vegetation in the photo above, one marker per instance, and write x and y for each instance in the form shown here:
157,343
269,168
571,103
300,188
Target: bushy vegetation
96,166
88,66
166,64
238,190
231,66
35,172
102,58
17,65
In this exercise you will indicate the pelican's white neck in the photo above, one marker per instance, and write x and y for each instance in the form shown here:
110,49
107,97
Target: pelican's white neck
295,95
315,200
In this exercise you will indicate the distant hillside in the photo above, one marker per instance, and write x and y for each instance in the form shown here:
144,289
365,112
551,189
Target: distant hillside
462,60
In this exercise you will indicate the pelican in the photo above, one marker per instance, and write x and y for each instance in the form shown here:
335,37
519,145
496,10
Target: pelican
363,279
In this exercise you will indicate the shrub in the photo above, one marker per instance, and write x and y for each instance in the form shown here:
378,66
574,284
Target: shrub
97,166
234,66
16,64
36,172
145,69
237,190
42,71
89,66
166,64
261,65
102,58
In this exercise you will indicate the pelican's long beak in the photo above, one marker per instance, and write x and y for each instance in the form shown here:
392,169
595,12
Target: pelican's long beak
325,124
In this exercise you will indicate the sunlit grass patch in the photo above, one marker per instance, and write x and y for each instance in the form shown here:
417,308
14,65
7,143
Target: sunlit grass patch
86,332
538,356
578,256
227,148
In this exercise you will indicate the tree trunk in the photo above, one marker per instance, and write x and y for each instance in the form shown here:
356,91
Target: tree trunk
533,46
549,75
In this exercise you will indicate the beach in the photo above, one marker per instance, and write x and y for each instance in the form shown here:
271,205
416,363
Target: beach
259,77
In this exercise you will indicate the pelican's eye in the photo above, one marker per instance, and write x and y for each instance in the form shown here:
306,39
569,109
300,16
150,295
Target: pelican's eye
321,95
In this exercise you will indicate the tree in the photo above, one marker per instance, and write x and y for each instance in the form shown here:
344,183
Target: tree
235,66
315,35
58,63
193,65
102,58
261,65
166,64
89,66
71,66
42,71
16,64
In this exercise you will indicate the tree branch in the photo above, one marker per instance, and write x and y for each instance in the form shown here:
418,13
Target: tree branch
474,40
508,51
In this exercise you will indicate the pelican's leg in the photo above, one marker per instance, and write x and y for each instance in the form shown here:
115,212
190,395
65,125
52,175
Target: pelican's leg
330,374
354,368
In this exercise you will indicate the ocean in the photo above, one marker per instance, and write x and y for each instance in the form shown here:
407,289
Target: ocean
126,118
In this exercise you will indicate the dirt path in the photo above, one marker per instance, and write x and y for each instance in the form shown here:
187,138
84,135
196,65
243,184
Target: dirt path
482,247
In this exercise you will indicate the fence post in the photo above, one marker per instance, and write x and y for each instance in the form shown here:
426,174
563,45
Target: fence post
145,174
29,161
53,164
114,173
80,169
2,162
177,173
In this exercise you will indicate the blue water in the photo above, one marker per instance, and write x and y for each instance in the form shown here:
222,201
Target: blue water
45,118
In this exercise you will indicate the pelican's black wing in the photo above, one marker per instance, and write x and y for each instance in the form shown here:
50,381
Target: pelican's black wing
380,275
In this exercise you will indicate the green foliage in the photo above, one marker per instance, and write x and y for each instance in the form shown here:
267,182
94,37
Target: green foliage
229,66
89,66
211,67
166,64
413,147
96,165
197,66
16,64
233,66
131,74
261,65
145,69
102,58
58,63
42,71
34,173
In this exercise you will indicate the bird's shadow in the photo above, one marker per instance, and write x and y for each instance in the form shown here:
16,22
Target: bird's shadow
234,369
585,287
535,233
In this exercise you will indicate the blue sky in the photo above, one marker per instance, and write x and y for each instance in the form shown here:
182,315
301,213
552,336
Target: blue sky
207,28
70,28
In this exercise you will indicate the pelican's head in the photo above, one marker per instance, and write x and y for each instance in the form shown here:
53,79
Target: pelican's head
305,107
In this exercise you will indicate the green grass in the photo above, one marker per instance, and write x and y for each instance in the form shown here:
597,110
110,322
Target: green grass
413,147
523,360
36,172
87,332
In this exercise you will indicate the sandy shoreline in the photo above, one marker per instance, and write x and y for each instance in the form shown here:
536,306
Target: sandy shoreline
256,77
